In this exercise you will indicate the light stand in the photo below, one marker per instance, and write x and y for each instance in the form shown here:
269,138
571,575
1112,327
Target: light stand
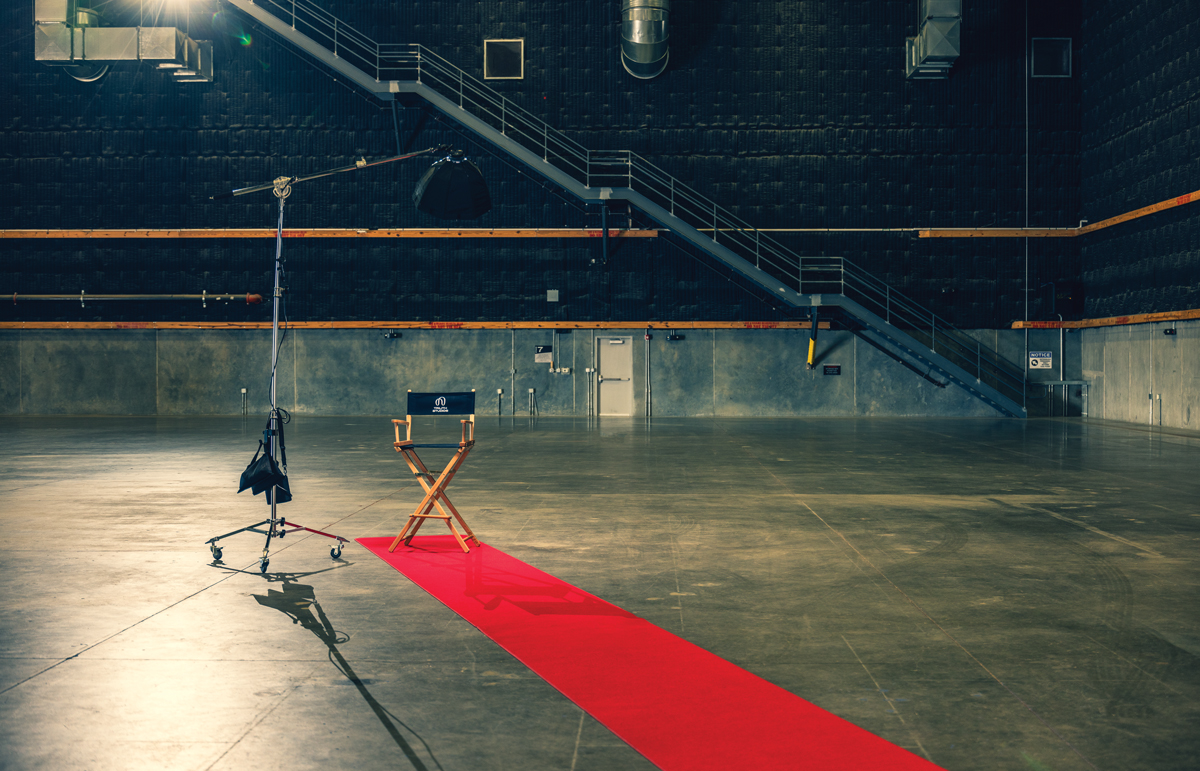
460,194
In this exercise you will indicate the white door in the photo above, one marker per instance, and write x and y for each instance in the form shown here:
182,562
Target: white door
614,374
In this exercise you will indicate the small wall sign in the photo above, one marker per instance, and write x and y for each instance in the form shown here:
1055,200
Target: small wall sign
832,369
1041,360
544,354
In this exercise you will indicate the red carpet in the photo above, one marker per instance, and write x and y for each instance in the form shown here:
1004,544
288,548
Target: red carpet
679,705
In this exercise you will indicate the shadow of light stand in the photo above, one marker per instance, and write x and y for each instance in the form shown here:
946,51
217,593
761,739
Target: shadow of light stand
299,603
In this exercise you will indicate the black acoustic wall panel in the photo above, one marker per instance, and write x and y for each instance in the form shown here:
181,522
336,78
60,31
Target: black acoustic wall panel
792,114
1141,105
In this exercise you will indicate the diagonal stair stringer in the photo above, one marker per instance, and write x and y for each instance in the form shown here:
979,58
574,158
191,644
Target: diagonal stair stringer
784,276
910,348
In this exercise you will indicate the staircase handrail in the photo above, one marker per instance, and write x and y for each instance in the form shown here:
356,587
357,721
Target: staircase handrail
414,62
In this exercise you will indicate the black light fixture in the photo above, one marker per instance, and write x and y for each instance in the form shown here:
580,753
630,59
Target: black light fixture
453,189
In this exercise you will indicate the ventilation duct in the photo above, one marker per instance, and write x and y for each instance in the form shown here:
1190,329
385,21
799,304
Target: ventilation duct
70,36
644,51
930,54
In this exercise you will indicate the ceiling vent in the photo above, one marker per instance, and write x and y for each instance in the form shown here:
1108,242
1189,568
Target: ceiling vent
931,54
73,37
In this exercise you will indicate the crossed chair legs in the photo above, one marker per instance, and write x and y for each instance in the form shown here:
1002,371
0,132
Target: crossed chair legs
435,496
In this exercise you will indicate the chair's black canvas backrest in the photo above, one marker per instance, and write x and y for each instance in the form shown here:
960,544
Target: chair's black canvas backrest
441,403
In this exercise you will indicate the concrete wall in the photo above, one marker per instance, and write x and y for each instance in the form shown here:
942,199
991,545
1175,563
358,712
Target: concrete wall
1127,364
720,372
1012,344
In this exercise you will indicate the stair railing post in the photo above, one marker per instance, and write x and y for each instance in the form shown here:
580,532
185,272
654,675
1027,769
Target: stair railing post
978,361
293,14
714,222
887,293
756,255
546,142
335,21
672,196
933,333
460,89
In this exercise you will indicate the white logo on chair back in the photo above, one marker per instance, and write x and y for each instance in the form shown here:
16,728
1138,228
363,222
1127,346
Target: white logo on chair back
439,404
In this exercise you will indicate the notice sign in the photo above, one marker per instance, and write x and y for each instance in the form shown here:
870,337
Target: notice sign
1041,360
832,369
544,354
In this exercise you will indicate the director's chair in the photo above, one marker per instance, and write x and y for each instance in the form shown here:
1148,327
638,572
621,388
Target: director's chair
462,403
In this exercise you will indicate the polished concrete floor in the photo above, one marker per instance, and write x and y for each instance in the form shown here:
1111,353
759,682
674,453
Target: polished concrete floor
991,594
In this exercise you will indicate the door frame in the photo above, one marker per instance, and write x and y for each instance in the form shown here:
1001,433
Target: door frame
596,366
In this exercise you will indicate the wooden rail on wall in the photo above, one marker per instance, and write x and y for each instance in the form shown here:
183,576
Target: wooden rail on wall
1170,203
337,233
1111,321
578,232
414,325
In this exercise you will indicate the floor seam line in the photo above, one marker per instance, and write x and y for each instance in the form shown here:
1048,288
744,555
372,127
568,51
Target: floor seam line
925,613
952,638
891,703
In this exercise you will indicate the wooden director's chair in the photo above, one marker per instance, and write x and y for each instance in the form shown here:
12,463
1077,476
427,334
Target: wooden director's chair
462,403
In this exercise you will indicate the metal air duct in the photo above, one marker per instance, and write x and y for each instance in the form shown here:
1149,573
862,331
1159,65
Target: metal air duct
931,54
644,36
70,36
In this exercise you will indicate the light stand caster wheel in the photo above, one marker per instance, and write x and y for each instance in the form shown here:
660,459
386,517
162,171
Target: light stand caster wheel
216,552
336,551
262,568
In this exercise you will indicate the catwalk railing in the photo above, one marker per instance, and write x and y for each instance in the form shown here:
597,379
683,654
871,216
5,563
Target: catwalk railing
385,63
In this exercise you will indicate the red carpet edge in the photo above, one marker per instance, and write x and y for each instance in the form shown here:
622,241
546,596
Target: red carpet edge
683,708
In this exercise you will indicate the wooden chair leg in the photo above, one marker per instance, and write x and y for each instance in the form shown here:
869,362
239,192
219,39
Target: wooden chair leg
400,537
419,521
435,496
458,537
466,528
456,463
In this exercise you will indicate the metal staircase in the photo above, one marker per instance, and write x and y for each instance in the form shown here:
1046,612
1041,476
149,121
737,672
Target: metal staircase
874,310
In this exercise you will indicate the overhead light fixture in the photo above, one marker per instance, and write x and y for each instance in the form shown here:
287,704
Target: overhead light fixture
453,189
